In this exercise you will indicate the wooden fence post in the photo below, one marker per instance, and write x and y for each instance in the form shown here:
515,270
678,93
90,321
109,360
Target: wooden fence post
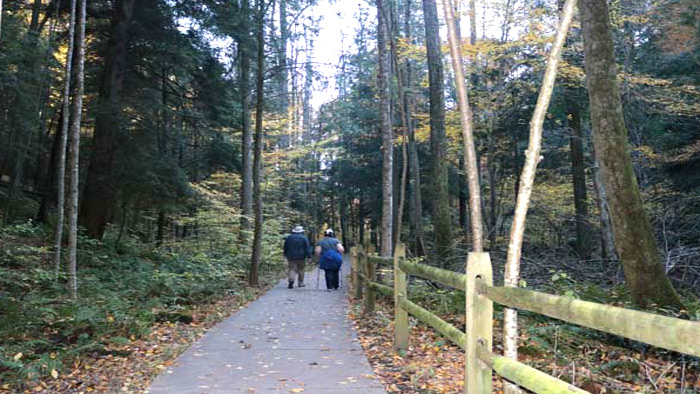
370,276
479,320
400,291
353,264
358,264
371,249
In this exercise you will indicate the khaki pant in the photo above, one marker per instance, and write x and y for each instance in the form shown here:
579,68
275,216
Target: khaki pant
295,269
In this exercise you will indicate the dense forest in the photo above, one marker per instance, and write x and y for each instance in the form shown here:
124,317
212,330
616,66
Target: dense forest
154,154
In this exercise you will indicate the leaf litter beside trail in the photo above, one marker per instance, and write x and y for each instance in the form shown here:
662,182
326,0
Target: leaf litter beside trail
130,367
433,365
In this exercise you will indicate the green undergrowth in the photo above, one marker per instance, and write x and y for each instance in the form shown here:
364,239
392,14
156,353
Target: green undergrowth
123,291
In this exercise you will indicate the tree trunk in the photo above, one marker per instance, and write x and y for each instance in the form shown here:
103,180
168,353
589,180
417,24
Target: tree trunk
245,54
527,180
405,120
607,239
100,191
253,279
74,156
493,197
63,141
415,200
282,74
634,239
36,12
440,203
471,168
386,130
578,171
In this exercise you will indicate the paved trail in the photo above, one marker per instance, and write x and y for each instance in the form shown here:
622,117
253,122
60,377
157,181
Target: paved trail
288,341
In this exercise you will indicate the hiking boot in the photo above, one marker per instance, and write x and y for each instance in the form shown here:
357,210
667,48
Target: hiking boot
290,285
301,285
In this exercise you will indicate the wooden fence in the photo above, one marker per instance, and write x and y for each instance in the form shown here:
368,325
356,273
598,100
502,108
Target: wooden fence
679,335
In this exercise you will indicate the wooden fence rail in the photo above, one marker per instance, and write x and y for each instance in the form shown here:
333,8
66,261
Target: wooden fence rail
674,334
679,335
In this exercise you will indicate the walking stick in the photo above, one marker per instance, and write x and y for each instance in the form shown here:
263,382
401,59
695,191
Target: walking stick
318,273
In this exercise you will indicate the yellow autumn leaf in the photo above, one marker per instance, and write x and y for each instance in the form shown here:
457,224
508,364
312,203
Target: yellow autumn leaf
54,374
18,356
296,390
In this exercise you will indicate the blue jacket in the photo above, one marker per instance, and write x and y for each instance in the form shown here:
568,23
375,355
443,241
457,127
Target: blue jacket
297,247
330,260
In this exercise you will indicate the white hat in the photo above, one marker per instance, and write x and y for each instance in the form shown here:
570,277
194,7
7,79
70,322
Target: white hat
329,232
298,229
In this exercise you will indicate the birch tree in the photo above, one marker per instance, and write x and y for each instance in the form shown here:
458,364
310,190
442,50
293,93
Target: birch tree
61,170
527,180
387,134
470,164
74,156
253,279
244,45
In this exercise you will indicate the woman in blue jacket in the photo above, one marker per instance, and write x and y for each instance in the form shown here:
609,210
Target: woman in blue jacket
329,251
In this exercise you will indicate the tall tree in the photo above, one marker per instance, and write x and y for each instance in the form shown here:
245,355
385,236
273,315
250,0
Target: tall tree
440,197
578,171
61,160
470,165
384,55
99,201
527,180
634,239
283,72
245,54
416,201
256,258
74,155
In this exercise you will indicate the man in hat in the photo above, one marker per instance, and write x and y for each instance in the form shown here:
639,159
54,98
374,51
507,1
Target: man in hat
297,249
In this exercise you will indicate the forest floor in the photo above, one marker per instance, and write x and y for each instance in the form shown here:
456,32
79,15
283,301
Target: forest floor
129,368
139,308
433,365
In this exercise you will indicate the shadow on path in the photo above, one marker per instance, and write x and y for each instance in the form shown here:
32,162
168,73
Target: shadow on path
288,341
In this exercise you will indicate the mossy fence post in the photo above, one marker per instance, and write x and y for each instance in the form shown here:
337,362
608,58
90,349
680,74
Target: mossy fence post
479,319
370,275
358,271
400,291
371,249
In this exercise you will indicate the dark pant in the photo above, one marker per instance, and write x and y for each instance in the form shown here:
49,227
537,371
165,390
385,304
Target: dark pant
332,279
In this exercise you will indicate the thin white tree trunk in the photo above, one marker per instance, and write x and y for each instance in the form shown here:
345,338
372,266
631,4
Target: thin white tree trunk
245,55
74,159
61,171
0,20
527,179
470,165
387,133
256,258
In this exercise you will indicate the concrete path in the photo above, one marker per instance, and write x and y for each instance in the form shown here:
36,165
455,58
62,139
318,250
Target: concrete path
288,341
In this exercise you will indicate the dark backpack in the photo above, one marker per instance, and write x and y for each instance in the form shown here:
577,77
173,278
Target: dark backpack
331,259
